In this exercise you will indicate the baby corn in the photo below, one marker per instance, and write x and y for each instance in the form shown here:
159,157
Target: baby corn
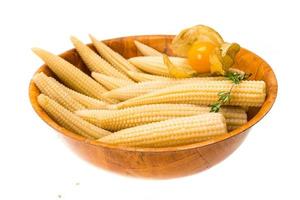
50,88
94,62
71,75
69,120
137,89
247,93
115,120
146,50
110,82
155,64
141,76
88,102
113,57
172,132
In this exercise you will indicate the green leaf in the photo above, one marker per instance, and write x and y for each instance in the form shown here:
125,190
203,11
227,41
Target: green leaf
215,107
224,97
236,78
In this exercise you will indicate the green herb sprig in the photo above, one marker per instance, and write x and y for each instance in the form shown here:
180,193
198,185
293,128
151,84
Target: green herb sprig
225,96
236,77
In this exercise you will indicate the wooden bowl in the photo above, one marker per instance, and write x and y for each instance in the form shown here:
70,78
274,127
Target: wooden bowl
161,162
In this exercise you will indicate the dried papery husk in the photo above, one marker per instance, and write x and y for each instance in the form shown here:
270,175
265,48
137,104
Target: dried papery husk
223,58
177,71
187,37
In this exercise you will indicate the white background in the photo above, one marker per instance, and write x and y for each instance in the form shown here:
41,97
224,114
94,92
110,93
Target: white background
36,164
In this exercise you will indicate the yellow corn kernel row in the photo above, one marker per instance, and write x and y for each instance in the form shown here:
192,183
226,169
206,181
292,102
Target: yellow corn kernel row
88,102
146,50
115,120
155,64
94,62
233,127
247,93
141,76
110,82
113,57
69,120
172,132
71,76
50,88
137,89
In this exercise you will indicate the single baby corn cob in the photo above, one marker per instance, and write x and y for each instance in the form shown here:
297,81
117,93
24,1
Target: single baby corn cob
247,93
141,76
70,75
155,64
172,132
146,50
115,120
50,88
137,89
94,62
110,82
113,57
69,120
88,102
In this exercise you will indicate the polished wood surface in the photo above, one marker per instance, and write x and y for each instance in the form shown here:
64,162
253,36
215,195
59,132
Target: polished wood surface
163,162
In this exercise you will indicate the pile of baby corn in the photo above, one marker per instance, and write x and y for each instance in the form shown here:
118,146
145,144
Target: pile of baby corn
135,102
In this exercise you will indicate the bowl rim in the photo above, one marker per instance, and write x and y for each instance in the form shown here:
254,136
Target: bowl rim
265,108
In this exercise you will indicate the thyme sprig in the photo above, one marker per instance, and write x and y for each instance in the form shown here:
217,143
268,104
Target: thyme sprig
236,77
225,96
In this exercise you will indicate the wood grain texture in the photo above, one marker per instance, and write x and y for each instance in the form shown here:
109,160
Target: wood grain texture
163,162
